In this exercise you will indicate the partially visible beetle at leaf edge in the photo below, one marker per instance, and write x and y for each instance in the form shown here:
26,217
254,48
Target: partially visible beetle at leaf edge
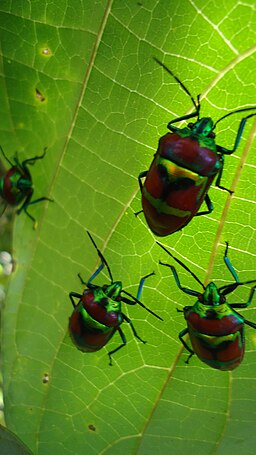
16,185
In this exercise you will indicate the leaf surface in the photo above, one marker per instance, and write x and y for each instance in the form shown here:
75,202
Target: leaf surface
79,77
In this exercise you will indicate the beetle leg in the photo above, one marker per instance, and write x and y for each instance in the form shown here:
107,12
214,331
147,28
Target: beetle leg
24,206
181,335
251,295
251,324
43,198
141,176
4,208
246,304
219,178
133,328
26,203
137,213
229,265
209,204
225,151
88,283
32,161
142,281
121,333
188,359
185,308
72,295
176,277
29,202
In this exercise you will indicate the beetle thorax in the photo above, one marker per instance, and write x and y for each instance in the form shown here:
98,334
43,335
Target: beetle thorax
101,307
19,181
25,183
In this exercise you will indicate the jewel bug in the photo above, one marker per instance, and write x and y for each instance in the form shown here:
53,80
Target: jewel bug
98,314
184,166
16,185
215,328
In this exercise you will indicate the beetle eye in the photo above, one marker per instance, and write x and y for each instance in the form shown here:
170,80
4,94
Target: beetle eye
212,135
222,299
103,302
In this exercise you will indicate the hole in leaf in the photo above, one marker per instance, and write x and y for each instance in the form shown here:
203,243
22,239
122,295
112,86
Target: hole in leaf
45,378
39,96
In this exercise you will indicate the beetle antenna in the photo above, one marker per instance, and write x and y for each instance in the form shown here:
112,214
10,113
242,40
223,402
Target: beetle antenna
182,265
142,304
235,112
101,257
196,104
228,288
4,155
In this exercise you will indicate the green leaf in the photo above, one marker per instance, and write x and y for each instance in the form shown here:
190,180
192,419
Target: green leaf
79,77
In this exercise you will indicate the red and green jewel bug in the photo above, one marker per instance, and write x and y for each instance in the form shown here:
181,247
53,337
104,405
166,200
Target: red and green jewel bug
16,185
185,164
98,314
215,329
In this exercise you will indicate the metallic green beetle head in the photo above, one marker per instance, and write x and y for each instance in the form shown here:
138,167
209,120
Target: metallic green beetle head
211,296
113,290
202,127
